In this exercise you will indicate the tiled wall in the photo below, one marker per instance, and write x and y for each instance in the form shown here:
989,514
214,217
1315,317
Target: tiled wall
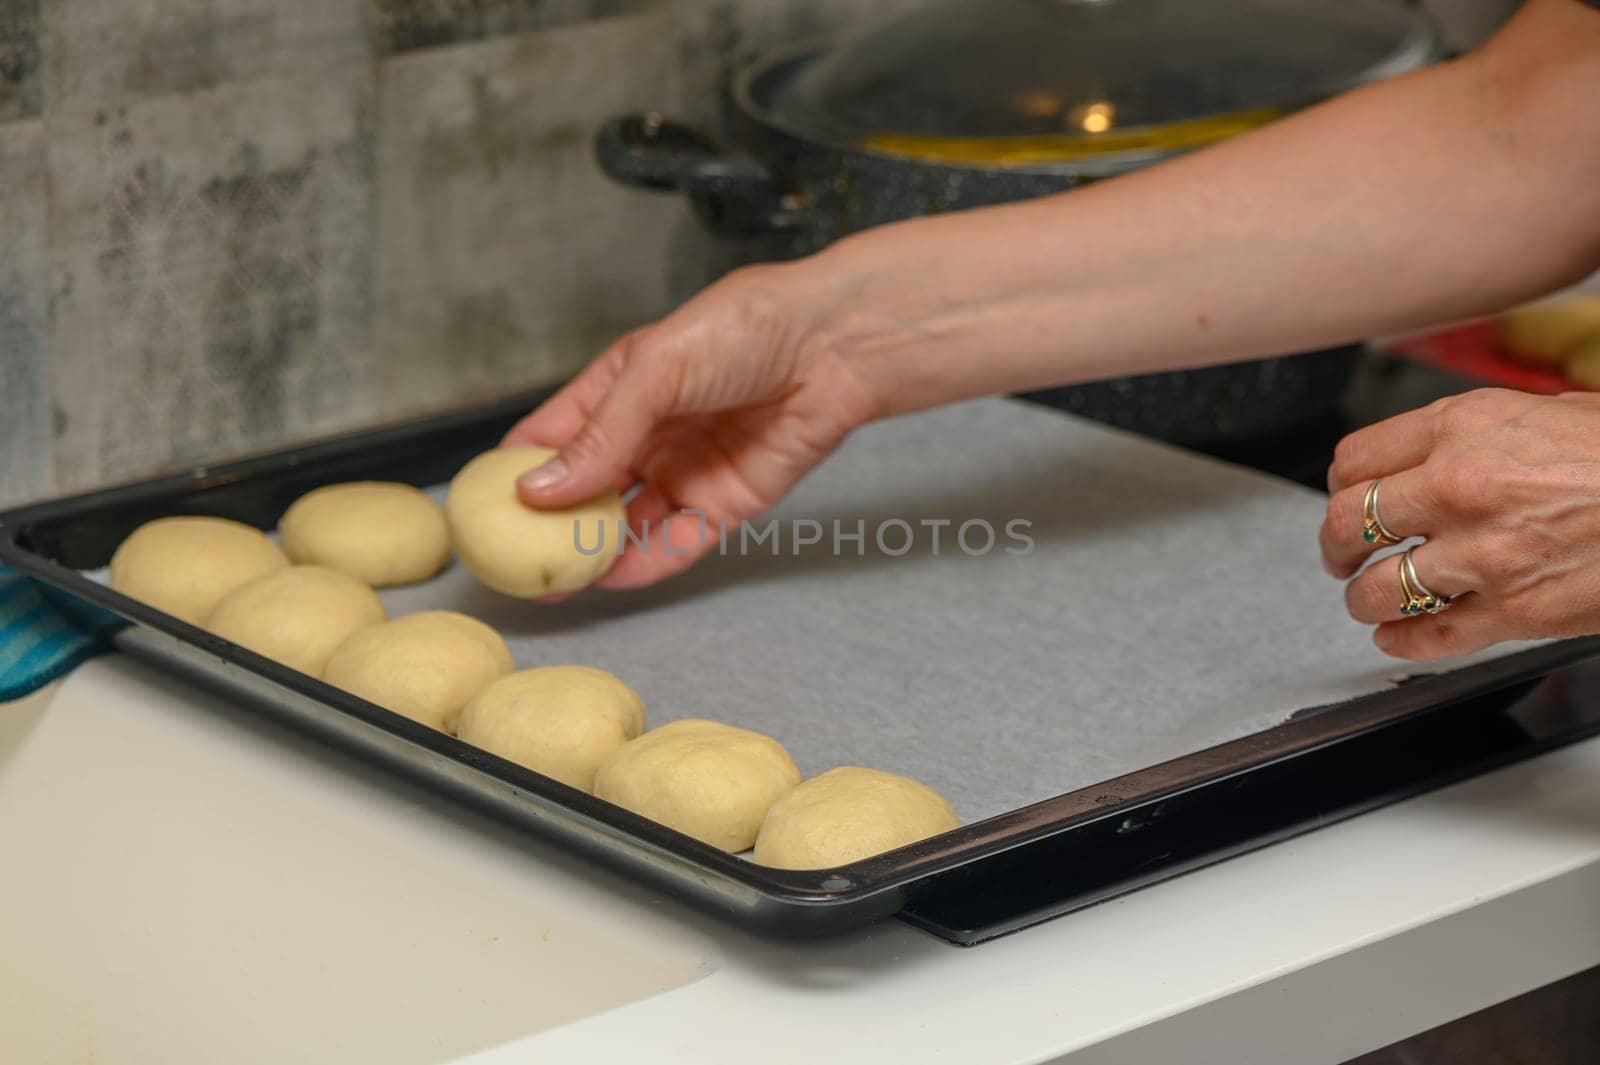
228,224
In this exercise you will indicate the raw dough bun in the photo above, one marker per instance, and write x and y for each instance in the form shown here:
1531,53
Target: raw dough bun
186,565
707,780
425,666
518,550
562,721
296,616
376,531
847,814
1547,332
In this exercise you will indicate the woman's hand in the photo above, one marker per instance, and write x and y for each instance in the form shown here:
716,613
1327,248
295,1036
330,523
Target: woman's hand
1505,486
719,409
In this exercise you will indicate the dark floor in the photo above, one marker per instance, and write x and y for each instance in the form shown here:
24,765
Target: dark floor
1554,1025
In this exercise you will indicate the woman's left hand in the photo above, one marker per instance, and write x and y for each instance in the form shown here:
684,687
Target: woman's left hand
1505,487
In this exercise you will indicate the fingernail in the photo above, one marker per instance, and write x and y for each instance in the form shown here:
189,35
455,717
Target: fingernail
544,476
1383,637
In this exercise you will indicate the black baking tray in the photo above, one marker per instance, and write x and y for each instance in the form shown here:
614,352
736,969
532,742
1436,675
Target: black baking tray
981,880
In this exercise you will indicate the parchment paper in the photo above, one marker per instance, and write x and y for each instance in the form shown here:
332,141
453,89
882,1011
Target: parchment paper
1171,602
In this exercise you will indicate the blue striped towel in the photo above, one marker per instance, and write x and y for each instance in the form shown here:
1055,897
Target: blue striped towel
38,643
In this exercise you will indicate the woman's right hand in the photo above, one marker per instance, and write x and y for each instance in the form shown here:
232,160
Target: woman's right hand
718,409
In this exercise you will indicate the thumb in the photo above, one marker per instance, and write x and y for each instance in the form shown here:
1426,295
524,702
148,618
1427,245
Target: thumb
605,447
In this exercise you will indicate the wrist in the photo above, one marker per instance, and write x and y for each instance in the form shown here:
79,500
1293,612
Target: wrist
862,315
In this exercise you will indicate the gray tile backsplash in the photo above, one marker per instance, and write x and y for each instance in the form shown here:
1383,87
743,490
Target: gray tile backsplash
105,53
211,269
25,461
227,225
502,254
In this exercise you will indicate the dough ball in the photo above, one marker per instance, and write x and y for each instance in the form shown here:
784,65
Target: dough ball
186,565
521,551
847,814
707,780
562,721
376,531
425,666
296,616
1547,332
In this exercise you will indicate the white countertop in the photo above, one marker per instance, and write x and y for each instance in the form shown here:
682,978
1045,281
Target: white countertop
183,883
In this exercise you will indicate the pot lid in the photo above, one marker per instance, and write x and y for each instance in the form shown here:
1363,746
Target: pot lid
1104,75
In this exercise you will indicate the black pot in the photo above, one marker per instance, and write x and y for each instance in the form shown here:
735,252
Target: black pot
786,193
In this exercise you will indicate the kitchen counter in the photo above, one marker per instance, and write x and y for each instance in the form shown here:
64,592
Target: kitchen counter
185,882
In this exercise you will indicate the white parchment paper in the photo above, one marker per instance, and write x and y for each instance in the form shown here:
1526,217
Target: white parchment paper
1171,602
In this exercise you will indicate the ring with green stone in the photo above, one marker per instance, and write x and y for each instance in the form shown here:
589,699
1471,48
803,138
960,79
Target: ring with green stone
1373,530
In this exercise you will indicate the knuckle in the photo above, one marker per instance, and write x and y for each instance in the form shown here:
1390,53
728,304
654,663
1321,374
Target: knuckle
1347,456
639,348
664,387
1467,484
1458,414
1383,595
1500,558
626,351
1474,405
1343,521
649,368
1365,597
1444,414
592,444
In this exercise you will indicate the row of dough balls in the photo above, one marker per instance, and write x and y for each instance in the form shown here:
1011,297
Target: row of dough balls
726,786
729,787
382,534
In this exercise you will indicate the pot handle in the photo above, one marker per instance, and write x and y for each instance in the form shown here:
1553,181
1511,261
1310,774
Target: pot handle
736,195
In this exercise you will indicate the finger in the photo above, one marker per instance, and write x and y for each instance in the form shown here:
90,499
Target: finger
672,543
1380,450
648,508
559,418
1374,596
1469,625
1400,505
601,453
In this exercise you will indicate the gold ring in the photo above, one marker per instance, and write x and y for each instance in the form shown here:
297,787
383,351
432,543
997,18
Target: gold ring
1373,530
1415,598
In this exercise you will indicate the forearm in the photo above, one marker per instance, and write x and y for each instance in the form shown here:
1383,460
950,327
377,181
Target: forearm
1447,193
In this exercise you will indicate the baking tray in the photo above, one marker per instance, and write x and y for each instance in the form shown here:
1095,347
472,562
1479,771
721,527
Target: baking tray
999,872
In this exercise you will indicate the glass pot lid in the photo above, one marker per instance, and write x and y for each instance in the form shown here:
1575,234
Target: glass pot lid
1098,75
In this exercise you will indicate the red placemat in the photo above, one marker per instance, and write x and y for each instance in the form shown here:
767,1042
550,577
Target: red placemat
1471,350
